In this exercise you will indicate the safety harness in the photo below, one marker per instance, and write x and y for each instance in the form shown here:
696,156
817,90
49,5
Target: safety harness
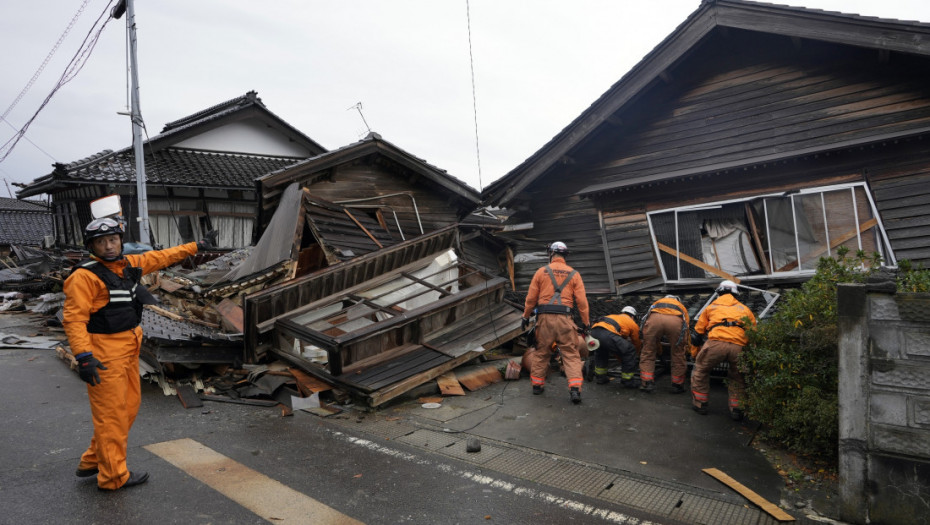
613,323
684,326
124,310
728,323
555,305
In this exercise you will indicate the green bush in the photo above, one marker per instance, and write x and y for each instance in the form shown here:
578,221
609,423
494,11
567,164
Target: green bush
791,362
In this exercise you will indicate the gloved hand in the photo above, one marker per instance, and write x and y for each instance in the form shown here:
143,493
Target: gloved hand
696,338
524,322
209,240
87,368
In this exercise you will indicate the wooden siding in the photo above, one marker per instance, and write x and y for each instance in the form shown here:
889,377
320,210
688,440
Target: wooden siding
765,99
574,221
904,204
629,245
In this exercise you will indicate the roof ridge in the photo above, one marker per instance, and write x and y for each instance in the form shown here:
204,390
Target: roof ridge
249,98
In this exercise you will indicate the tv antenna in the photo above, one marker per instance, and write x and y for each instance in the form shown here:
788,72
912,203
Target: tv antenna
358,106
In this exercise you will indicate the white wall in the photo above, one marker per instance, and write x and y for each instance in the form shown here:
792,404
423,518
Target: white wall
246,136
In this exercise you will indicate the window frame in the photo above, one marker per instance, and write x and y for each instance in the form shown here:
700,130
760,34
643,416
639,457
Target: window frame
883,244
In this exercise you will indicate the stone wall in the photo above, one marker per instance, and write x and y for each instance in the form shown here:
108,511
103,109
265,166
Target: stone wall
884,398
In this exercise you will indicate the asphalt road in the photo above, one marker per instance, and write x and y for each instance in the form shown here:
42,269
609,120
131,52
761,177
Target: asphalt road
229,464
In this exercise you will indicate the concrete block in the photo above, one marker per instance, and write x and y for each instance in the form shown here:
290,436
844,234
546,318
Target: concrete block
883,307
917,344
907,442
889,408
901,374
920,411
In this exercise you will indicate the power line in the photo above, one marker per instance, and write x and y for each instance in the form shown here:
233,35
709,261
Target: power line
74,67
474,96
45,62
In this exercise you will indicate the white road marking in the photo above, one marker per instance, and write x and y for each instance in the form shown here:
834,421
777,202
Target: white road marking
262,495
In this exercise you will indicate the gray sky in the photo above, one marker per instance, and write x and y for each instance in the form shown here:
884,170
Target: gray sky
538,64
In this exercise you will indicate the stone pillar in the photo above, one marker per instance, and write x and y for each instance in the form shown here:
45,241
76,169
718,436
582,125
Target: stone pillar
854,377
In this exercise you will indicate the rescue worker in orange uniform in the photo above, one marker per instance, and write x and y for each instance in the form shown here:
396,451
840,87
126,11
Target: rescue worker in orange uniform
724,323
554,290
667,318
617,335
102,312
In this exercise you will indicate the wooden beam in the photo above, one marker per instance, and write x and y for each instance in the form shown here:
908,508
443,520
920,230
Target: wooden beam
843,238
700,264
756,239
747,493
368,233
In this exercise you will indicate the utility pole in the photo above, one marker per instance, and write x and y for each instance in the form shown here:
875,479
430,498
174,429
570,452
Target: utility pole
136,117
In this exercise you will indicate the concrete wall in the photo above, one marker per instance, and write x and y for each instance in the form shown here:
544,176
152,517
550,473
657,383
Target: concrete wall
884,393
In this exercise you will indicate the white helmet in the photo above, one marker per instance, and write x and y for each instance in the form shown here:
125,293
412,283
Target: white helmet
629,310
727,286
675,297
592,342
558,247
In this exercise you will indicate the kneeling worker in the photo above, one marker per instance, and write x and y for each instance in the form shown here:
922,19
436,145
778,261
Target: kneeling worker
102,314
617,335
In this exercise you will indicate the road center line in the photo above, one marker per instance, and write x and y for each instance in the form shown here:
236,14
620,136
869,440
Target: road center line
253,490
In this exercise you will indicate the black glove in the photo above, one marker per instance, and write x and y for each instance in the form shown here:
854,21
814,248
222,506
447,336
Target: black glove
524,322
696,338
209,240
87,368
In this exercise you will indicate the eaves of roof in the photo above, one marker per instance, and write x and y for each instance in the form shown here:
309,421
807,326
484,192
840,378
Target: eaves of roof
373,143
849,29
723,168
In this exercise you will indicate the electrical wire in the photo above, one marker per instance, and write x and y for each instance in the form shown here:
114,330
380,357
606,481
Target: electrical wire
73,68
45,62
474,96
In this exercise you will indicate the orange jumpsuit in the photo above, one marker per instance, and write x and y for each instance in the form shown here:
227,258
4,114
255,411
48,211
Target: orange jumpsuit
114,402
667,317
556,327
724,343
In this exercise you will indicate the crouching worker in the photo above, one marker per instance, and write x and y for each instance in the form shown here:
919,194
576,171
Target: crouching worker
102,313
666,318
617,335
724,323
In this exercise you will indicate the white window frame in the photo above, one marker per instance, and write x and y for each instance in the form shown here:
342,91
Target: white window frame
884,247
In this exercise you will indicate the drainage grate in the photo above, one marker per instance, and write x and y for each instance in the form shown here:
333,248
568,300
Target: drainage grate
431,440
577,478
696,509
522,464
647,496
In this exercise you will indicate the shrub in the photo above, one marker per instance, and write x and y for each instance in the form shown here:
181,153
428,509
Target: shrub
791,360
792,357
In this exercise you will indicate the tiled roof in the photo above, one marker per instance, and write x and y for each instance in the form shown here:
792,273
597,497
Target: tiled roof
24,227
7,204
178,167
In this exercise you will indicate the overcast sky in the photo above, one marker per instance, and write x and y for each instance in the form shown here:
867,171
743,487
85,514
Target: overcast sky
537,65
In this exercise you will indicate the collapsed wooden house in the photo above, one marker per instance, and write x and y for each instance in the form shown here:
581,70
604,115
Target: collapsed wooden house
753,140
383,323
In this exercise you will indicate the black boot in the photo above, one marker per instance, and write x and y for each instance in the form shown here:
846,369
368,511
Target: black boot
537,389
677,388
601,379
575,395
648,386
700,409
736,414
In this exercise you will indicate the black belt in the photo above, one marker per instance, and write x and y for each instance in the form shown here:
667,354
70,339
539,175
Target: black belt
553,309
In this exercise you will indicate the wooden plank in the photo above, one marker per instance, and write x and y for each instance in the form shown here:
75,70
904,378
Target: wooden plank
364,229
188,396
307,384
231,315
699,264
480,377
449,385
747,493
391,391
756,239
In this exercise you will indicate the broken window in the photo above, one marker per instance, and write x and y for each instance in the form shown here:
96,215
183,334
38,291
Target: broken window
775,234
